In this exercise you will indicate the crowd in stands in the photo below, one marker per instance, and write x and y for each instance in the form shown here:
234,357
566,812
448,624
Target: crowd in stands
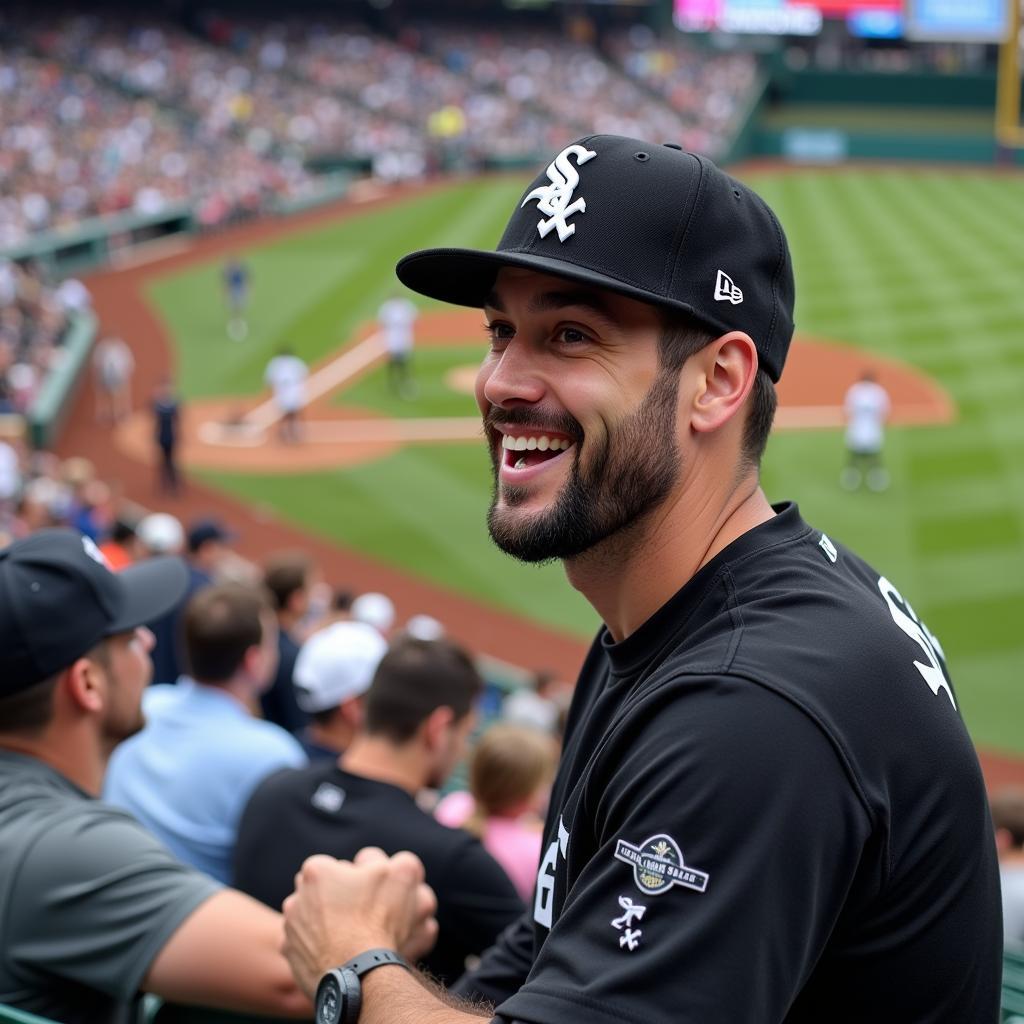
100,115
283,708
34,317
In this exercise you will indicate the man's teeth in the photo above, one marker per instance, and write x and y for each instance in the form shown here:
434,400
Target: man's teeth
529,444
521,462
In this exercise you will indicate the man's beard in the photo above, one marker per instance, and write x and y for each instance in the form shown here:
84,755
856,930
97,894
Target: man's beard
627,477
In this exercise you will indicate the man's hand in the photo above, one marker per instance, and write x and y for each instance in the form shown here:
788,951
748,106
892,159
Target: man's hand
341,908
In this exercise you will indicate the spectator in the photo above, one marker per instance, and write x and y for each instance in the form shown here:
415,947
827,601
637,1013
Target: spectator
121,548
160,533
419,713
113,365
208,541
290,578
510,774
1008,820
192,800
332,672
377,610
534,705
95,909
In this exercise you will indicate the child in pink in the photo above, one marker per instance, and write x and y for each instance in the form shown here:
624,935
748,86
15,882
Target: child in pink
509,778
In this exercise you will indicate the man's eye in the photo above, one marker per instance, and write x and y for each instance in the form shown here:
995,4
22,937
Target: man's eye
573,336
499,332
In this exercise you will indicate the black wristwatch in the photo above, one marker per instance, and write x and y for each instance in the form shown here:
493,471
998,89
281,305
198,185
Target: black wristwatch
339,996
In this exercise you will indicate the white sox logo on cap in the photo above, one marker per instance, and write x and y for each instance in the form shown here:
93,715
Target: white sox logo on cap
556,199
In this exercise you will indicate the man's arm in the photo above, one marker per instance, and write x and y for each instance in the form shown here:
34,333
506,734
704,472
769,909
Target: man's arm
227,954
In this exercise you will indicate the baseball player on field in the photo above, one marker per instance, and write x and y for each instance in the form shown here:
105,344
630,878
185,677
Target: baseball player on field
768,808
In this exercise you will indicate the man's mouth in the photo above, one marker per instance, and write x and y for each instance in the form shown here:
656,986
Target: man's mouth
524,450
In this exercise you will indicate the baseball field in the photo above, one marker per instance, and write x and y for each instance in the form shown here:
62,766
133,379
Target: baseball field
919,267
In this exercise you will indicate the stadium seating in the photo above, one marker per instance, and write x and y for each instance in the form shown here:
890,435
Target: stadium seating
1013,986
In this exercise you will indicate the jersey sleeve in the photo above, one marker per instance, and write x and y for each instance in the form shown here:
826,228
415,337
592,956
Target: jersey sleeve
503,968
704,868
96,898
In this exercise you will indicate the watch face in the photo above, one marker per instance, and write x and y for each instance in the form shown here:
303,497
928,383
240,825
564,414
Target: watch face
328,1000
337,997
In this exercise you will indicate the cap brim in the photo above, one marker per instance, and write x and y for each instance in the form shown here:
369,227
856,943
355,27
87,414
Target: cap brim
151,589
465,277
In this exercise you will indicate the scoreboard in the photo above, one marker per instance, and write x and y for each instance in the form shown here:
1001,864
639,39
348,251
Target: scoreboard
774,17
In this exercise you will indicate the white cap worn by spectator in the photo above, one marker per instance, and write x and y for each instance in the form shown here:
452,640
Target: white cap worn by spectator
375,610
336,664
424,627
161,534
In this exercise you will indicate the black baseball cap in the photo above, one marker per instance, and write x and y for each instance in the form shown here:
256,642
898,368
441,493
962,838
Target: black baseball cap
58,599
648,221
204,530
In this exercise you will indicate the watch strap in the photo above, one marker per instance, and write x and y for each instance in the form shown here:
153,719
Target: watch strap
373,958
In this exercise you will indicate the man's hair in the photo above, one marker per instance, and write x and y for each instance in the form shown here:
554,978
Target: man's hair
221,623
284,574
682,337
29,710
413,679
1008,813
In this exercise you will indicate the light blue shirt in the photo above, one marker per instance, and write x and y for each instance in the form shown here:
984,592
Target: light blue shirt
189,774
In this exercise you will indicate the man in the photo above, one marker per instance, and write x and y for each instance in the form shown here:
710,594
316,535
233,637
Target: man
286,377
333,671
159,534
419,713
166,408
768,808
95,910
290,578
397,316
113,364
189,773
866,407
205,549
235,277
1008,820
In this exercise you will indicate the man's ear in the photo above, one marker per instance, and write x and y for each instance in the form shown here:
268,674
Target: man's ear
85,684
726,369
435,727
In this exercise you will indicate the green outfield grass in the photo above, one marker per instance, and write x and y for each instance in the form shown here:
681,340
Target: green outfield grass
916,264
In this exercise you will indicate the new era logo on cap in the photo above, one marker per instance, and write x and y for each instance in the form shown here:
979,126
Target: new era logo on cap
726,290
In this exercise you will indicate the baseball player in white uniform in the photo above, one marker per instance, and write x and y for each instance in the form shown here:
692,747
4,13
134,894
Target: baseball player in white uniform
866,408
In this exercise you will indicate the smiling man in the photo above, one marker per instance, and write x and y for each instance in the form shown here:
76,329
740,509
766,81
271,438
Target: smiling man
768,808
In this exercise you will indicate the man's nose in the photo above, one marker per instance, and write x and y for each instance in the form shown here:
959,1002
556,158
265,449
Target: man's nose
516,376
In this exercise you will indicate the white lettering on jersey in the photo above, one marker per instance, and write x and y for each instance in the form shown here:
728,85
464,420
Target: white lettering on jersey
555,199
904,617
630,938
544,898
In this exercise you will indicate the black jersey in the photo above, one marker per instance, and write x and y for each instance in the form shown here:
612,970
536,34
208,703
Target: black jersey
768,810
322,809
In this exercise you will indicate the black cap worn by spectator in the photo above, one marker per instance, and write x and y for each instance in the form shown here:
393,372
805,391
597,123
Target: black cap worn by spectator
204,530
647,221
58,600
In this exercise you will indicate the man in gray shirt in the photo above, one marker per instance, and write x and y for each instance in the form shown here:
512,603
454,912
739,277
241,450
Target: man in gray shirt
94,909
